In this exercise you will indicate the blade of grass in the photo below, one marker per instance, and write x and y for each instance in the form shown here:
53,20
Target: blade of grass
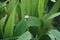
41,9
45,3
55,33
25,7
51,37
16,19
52,11
18,10
54,8
34,7
33,21
10,6
53,16
29,7
8,31
2,21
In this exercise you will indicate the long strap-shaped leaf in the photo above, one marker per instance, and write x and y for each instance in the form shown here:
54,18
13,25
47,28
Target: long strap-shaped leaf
45,3
29,7
53,16
10,6
8,32
54,8
34,7
41,9
54,33
2,21
25,7
51,37
18,10
25,36
52,12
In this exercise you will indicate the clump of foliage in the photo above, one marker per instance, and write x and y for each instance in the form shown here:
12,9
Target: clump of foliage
28,20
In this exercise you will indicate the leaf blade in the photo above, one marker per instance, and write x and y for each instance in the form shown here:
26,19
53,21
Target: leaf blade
25,36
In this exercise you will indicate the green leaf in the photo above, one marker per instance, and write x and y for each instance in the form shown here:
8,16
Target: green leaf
33,21
34,7
25,23
53,11
8,32
2,21
29,7
45,3
11,5
51,37
25,7
54,33
21,27
2,5
53,16
18,10
25,36
16,20
54,8
41,8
